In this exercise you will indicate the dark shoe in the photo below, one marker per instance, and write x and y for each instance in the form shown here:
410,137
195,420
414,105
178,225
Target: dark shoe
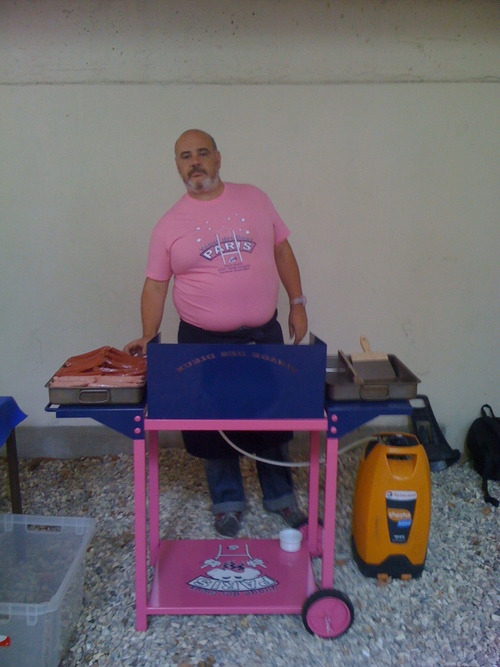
292,516
227,523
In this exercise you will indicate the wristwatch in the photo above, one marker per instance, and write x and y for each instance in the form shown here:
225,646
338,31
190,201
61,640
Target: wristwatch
299,300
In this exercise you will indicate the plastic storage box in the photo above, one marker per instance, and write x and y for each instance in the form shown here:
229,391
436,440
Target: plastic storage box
42,564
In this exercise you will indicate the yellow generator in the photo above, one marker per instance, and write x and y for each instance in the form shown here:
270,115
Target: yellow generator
392,507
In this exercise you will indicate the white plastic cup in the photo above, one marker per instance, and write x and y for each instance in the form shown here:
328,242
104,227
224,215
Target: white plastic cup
290,539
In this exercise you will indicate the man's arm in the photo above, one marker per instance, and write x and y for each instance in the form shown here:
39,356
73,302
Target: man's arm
153,298
289,273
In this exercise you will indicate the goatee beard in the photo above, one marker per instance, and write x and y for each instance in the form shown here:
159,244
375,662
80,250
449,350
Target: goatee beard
207,184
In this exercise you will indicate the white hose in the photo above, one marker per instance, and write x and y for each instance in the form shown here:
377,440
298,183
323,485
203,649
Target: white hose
289,464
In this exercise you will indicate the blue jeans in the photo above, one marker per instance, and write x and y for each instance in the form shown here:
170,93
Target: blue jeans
226,484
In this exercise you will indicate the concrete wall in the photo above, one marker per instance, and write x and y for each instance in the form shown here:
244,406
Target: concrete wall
251,42
373,126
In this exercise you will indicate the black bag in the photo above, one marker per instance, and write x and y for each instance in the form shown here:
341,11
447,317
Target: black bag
483,443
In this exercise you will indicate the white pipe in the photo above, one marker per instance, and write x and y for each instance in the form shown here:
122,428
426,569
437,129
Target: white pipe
290,464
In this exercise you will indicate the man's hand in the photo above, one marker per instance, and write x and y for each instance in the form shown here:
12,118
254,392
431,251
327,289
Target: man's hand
297,323
137,348
289,274
153,298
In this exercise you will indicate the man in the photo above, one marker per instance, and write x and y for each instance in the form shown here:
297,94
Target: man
227,250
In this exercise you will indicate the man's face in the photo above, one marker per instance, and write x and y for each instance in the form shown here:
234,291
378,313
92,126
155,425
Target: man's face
198,164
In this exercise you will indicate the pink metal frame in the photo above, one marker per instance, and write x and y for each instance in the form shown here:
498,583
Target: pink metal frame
168,596
146,491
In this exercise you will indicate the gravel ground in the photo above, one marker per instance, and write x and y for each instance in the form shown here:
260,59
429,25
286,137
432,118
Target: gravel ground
449,617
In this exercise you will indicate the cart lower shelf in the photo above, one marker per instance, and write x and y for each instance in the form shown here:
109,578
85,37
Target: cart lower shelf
240,576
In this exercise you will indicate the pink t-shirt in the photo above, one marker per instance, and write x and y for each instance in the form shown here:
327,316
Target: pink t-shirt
221,254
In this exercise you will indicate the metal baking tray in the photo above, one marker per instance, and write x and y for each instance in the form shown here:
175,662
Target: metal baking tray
340,385
96,396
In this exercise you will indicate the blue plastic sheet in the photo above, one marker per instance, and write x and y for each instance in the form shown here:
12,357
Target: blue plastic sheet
10,416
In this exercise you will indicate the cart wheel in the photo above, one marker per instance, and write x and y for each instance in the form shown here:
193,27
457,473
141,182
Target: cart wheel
327,614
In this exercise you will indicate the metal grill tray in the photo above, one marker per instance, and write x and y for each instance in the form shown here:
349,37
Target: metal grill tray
340,385
95,395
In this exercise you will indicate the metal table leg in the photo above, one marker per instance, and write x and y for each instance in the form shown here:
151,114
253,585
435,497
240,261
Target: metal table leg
13,465
141,622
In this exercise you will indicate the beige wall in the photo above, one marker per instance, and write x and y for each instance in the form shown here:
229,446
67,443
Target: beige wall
250,41
390,189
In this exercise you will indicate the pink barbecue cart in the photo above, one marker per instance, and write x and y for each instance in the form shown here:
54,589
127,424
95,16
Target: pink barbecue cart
228,388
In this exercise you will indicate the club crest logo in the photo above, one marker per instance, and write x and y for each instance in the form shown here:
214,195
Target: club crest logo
233,571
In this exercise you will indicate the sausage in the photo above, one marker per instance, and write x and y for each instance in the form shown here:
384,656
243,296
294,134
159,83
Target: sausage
103,361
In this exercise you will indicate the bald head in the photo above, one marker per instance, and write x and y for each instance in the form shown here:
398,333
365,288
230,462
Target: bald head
200,133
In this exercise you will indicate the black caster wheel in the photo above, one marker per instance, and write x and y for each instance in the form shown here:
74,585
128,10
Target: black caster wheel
327,613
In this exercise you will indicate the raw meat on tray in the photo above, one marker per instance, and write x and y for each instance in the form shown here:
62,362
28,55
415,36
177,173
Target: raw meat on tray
104,367
103,375
103,361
